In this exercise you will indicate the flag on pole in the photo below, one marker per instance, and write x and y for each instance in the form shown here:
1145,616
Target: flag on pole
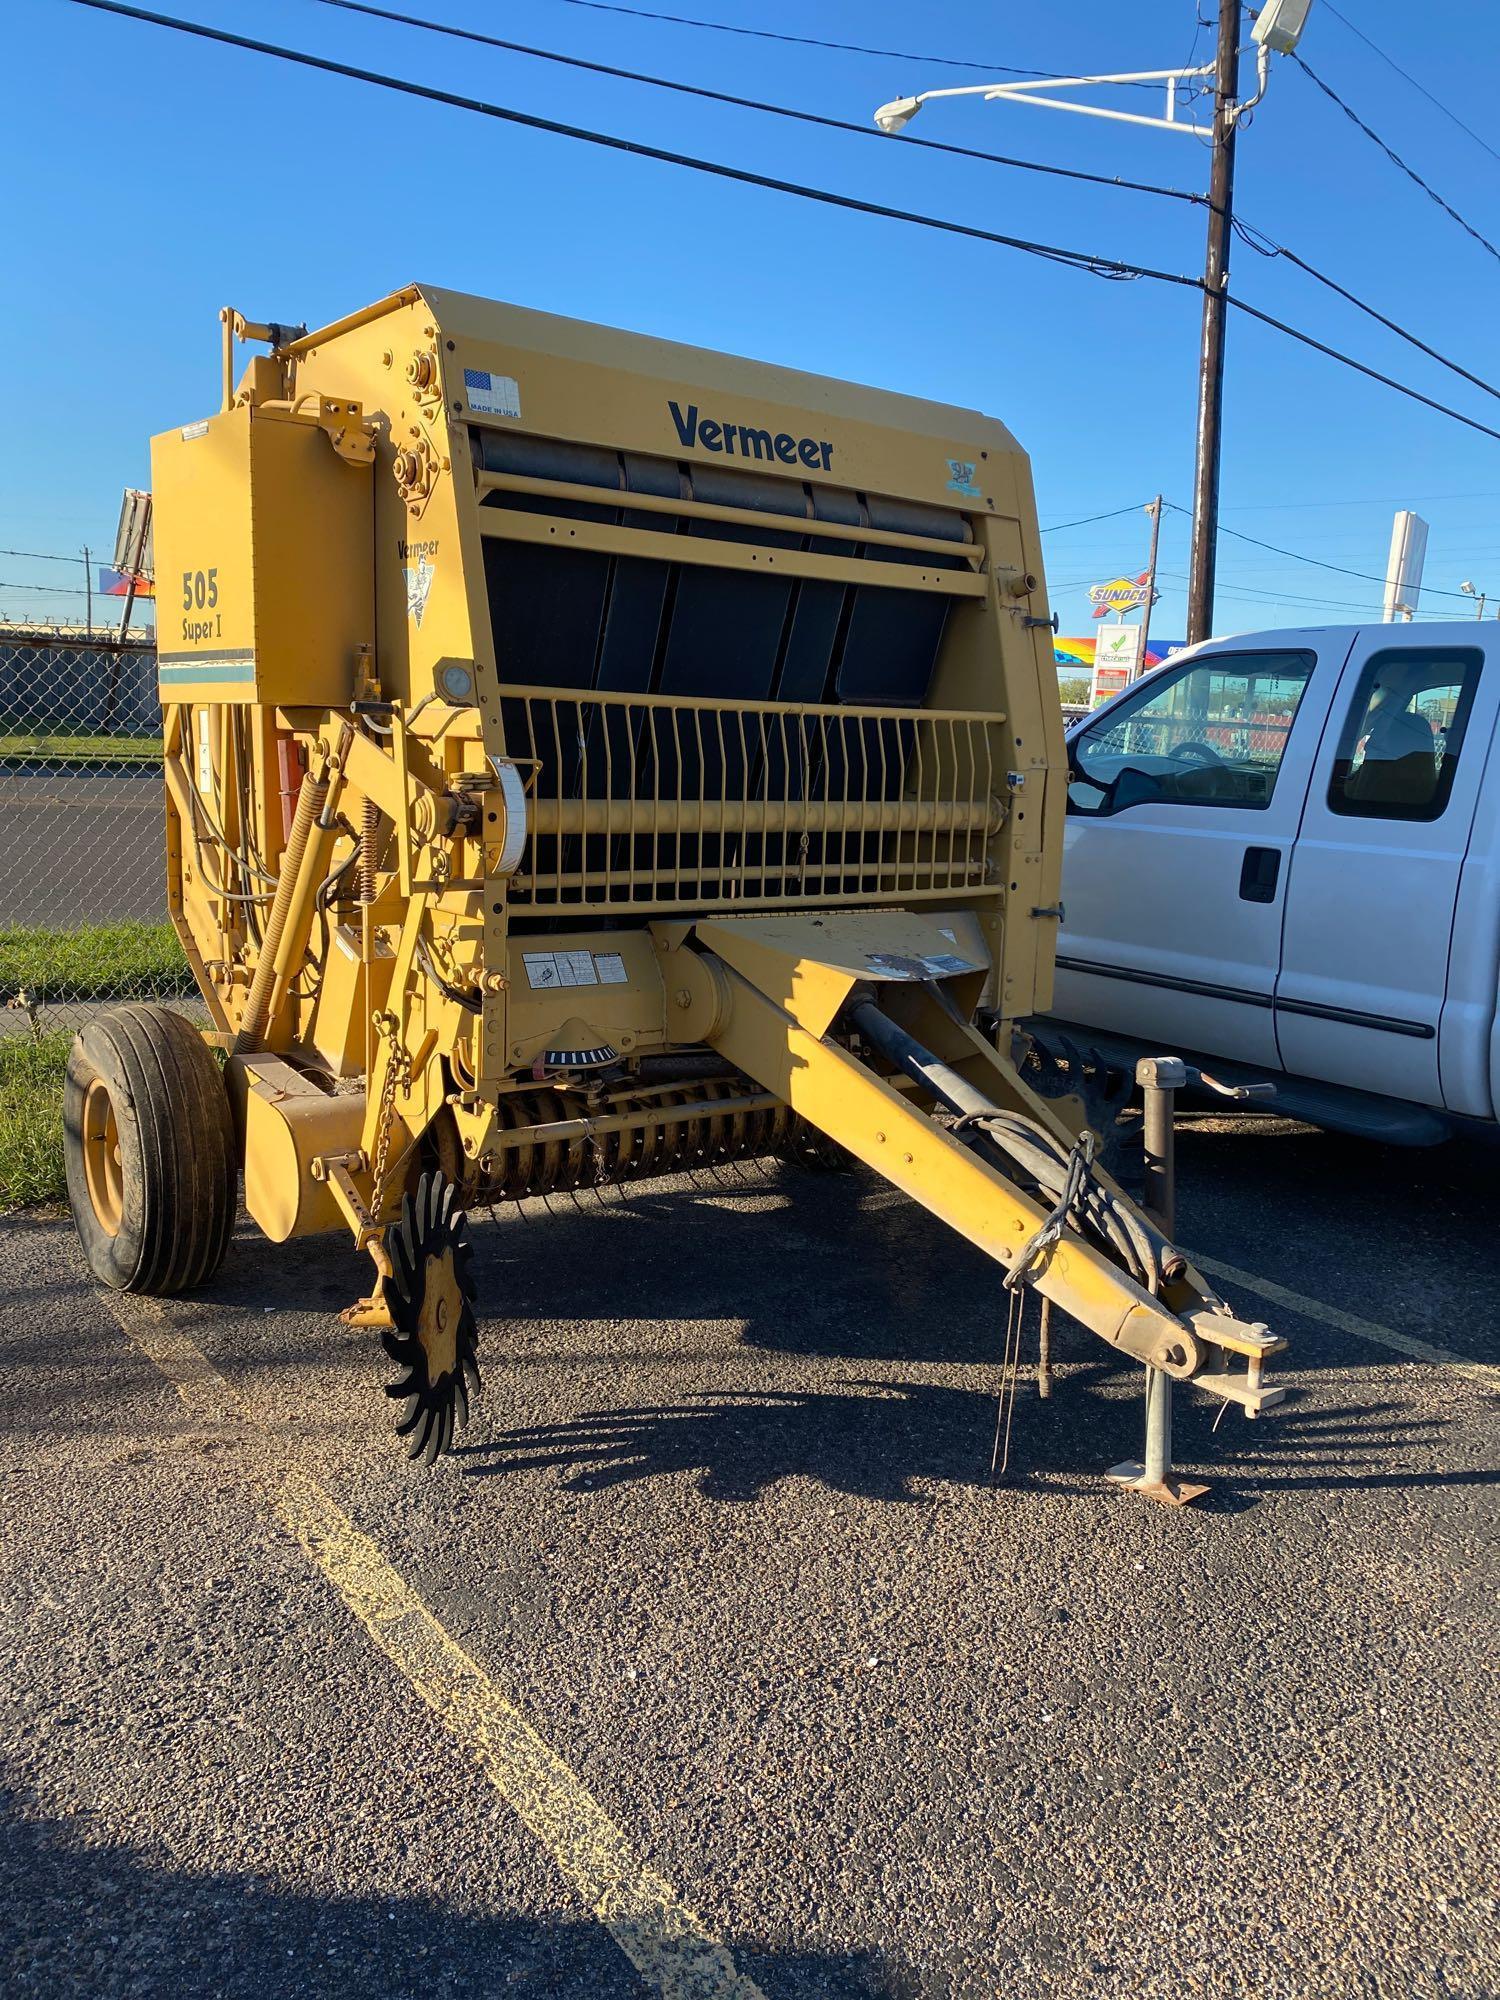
115,583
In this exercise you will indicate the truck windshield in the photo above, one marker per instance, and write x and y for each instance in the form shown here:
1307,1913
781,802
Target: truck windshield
1209,734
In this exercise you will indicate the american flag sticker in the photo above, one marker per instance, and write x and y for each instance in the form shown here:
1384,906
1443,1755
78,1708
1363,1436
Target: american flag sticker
492,395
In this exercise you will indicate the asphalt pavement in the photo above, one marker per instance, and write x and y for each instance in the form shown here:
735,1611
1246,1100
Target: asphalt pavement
723,1536
81,846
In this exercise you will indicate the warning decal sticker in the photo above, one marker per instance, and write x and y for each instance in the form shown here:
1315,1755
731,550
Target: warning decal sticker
573,968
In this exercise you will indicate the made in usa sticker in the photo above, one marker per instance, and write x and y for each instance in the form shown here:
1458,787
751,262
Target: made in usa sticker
492,395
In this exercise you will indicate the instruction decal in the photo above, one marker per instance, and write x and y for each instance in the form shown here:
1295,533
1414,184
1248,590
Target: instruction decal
492,395
573,968
418,578
961,477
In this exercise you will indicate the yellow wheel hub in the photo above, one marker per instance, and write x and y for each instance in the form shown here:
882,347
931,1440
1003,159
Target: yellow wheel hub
103,1173
437,1323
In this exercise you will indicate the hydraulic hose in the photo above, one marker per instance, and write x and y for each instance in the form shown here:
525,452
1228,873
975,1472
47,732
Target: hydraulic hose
1026,1144
920,1064
310,801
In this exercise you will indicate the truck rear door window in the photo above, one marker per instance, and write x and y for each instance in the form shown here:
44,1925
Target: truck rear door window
1404,733
1209,734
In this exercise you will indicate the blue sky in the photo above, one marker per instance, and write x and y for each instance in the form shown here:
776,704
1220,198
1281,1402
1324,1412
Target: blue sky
165,177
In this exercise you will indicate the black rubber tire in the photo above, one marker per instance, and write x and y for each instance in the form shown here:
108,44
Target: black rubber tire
178,1160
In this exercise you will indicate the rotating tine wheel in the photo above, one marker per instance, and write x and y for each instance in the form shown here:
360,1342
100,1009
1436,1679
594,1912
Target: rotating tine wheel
433,1337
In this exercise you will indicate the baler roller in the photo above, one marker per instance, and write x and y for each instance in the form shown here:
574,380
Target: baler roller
635,1135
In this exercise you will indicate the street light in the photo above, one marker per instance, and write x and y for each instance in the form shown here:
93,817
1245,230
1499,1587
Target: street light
1278,28
895,116
1469,591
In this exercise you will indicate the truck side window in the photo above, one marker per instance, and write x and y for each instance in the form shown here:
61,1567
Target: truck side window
1211,733
1403,734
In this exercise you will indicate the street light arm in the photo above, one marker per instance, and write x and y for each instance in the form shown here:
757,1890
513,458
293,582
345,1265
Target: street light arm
1083,82
1278,28
893,117
1173,124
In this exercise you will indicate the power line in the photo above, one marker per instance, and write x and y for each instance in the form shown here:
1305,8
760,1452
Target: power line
1391,63
1395,158
1082,260
1357,500
1336,354
1365,575
749,103
37,555
1259,241
808,41
1098,265
1365,610
1271,596
1113,515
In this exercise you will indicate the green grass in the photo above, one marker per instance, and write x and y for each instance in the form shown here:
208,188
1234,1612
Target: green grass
77,749
31,1148
119,961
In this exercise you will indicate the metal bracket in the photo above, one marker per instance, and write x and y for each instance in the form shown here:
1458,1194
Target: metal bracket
334,1168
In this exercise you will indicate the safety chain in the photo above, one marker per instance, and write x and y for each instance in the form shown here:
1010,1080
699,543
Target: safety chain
1080,1166
397,1076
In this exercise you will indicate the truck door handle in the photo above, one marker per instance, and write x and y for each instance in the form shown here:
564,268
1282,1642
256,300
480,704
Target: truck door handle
1259,873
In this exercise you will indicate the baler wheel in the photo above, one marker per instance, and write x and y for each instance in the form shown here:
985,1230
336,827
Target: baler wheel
433,1335
150,1152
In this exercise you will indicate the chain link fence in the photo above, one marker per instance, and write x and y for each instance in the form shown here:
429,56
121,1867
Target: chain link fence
83,916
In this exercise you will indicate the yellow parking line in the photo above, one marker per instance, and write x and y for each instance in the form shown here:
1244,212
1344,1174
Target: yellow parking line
669,1945
1364,1329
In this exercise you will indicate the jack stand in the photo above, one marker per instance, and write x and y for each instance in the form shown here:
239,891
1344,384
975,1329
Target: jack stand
1160,1079
1155,1478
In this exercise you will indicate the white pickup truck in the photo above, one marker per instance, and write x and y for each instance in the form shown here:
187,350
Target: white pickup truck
1283,859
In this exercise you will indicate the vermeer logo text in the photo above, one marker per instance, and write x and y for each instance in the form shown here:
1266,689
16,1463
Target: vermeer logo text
748,441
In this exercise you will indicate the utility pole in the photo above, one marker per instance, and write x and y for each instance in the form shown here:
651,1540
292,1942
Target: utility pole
88,588
1154,510
1201,564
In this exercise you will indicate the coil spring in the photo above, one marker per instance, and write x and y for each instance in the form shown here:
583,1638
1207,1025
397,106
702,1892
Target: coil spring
369,827
651,1147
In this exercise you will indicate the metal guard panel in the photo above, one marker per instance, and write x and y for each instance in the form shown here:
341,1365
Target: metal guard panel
647,804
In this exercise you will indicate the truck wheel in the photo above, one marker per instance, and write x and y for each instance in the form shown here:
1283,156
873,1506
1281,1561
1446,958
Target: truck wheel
150,1149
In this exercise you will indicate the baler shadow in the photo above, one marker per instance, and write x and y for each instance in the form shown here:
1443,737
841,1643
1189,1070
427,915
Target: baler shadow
880,1440
871,1439
101,1921
808,1276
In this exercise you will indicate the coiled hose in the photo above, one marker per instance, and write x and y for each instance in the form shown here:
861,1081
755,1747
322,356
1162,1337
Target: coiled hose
1063,1174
